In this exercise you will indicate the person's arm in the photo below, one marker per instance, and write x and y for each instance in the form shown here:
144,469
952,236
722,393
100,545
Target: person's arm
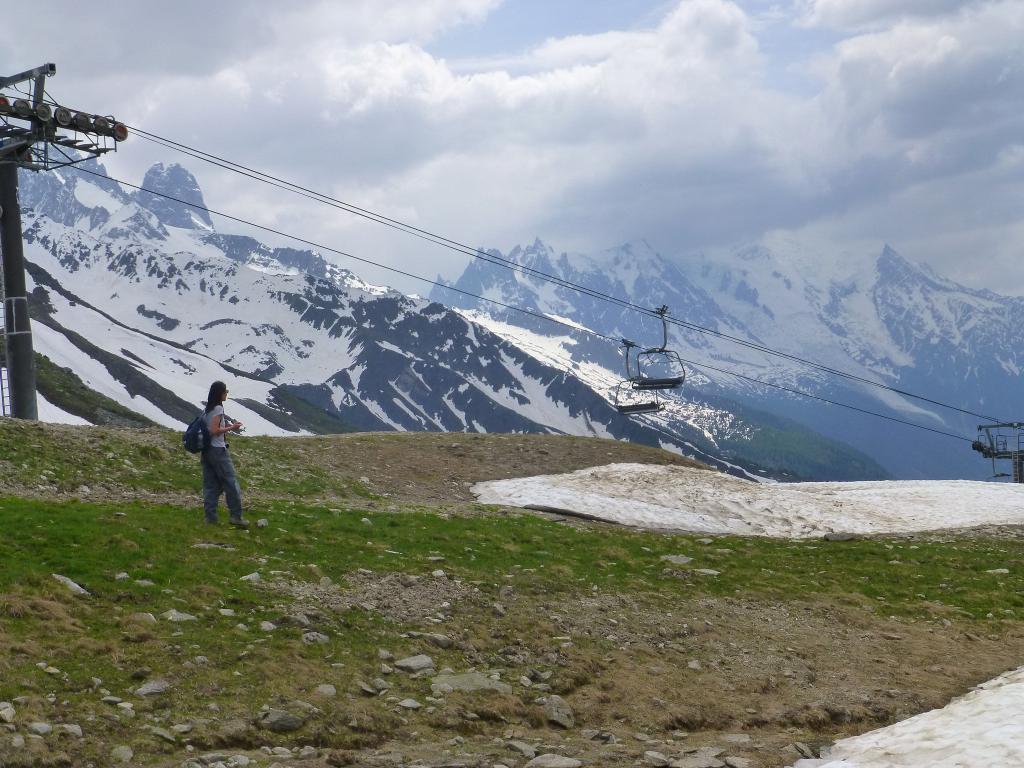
216,427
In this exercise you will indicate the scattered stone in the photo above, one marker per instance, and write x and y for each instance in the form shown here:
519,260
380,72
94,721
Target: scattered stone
409,704
550,760
838,536
182,728
328,690
693,664
226,611
385,655
557,711
262,522
122,576
122,754
467,681
152,688
439,574
162,733
524,749
233,731
176,616
7,713
315,638
999,570
40,729
253,577
415,663
279,721
706,571
803,750
677,559
657,759
267,626
75,588
366,688
738,762
69,729
441,641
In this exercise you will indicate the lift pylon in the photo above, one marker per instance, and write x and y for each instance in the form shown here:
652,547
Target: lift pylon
37,135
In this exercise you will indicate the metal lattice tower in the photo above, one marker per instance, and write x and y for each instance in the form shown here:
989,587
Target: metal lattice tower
38,135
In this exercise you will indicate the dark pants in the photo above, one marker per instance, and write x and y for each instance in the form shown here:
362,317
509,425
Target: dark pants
219,477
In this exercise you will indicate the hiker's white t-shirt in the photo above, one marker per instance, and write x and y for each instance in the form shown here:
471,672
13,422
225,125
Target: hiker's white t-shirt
216,441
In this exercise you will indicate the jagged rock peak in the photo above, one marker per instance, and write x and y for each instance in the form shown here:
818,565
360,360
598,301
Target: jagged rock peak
174,181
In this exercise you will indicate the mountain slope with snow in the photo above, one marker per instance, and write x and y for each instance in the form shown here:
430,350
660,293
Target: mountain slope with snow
879,318
148,305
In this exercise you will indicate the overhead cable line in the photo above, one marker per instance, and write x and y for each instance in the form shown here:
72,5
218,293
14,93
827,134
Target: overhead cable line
529,312
501,261
812,396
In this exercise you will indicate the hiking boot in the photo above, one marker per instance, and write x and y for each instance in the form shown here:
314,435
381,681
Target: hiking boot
239,522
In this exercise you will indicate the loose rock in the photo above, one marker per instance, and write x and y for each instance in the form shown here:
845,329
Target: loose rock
122,754
75,588
279,721
557,711
176,616
415,663
467,681
551,760
152,688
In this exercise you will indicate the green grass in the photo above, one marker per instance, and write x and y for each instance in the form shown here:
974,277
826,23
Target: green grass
90,543
33,454
90,637
63,388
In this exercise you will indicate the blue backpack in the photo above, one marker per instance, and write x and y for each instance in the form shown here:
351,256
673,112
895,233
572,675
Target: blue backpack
197,436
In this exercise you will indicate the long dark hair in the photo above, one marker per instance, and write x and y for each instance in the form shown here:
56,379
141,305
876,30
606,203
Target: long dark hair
217,391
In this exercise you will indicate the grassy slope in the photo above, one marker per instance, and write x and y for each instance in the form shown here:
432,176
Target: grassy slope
62,388
307,539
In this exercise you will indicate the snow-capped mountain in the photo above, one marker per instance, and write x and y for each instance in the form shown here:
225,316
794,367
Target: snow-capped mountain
879,317
147,303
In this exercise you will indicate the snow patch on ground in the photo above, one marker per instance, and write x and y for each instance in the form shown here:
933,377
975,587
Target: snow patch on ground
671,497
982,728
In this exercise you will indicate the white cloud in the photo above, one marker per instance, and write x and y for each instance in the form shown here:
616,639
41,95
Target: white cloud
855,14
679,133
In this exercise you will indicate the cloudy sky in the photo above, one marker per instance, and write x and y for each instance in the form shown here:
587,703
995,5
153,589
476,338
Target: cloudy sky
696,124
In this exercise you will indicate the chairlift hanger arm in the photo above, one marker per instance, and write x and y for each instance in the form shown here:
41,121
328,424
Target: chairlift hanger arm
38,74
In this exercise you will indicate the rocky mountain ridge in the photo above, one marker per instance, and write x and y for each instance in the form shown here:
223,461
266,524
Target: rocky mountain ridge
148,305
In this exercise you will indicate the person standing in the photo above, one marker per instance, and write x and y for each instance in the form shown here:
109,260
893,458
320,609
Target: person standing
218,471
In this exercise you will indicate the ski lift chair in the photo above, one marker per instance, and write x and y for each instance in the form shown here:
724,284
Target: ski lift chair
629,399
1001,442
659,360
